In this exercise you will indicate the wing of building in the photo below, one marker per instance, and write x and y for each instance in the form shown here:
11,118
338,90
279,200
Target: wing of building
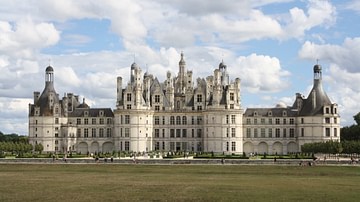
180,114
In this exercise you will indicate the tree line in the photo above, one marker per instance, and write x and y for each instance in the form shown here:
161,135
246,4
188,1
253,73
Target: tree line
17,144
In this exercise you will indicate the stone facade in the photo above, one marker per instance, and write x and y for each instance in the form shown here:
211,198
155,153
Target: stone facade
180,115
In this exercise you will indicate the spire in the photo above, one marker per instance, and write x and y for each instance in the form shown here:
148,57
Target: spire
182,61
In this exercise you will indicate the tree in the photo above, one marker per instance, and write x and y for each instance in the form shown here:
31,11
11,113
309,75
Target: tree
351,132
357,118
39,148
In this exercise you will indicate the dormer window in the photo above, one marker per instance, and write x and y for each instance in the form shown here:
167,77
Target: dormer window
101,113
284,113
270,113
255,113
86,113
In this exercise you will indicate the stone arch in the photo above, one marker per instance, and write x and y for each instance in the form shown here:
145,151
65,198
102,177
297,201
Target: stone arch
94,147
82,148
107,147
248,147
263,148
277,148
292,147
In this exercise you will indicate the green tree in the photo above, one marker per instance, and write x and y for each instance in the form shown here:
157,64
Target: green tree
39,148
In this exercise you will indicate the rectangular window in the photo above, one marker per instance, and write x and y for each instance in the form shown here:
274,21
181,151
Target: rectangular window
231,96
108,132
101,121
248,121
86,132
93,121
172,146
233,133
292,132
335,132
108,121
233,119
157,108
78,121
163,133
292,121
199,120
255,133
327,120
227,132
270,121
157,133
157,98
163,120
172,133
262,121
128,97
233,146
262,132
127,132
327,132
284,121
248,132
227,146
101,132
227,119
284,132
277,121
270,132
127,119
172,120
127,146
277,132
184,133
192,133
178,120
199,132
192,120
157,120
86,121
128,106
93,132
178,133
199,98
302,132
78,132
56,120
335,120
255,121
157,146
184,120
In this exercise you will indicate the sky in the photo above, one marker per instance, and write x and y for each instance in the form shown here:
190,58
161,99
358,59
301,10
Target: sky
271,45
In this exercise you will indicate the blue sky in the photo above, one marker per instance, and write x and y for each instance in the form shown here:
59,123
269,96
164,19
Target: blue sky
271,45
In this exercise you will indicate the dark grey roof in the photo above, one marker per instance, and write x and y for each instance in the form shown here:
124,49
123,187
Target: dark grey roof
92,112
44,100
275,112
316,100
49,69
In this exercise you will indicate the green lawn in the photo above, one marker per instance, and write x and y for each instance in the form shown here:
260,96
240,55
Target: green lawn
110,182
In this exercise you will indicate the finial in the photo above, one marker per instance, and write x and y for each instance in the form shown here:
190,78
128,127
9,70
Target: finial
317,61
134,57
49,61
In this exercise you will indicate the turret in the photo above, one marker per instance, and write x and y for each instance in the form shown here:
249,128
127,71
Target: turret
119,90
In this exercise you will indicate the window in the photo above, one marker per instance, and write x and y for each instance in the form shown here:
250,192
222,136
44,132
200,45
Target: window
199,98
157,98
227,132
233,146
255,133
128,97
178,133
157,120
248,132
192,133
108,121
302,120
184,133
292,132
101,132
231,106
262,132
56,135
163,145
172,133
284,132
78,132
163,120
199,107
108,132
199,132
86,132
157,133
262,121
327,110
101,121
302,132
192,120
233,119
184,120
327,132
128,106
172,120
93,121
277,121
270,121
127,146
127,119
157,108
157,146
335,120
270,132
284,121
292,121
255,121
199,120
227,119
163,133
327,120
56,120
227,146
277,132
127,132
178,120
248,121
232,96
86,121
172,146
78,121
93,132
335,132
233,134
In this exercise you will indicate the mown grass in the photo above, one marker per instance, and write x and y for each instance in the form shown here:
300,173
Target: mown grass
110,182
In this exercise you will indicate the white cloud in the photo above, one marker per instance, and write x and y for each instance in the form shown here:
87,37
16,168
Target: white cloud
266,73
345,55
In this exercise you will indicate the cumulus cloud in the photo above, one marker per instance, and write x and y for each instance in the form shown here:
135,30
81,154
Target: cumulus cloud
344,55
266,73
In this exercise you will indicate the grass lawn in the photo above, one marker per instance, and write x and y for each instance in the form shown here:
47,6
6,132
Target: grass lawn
114,182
